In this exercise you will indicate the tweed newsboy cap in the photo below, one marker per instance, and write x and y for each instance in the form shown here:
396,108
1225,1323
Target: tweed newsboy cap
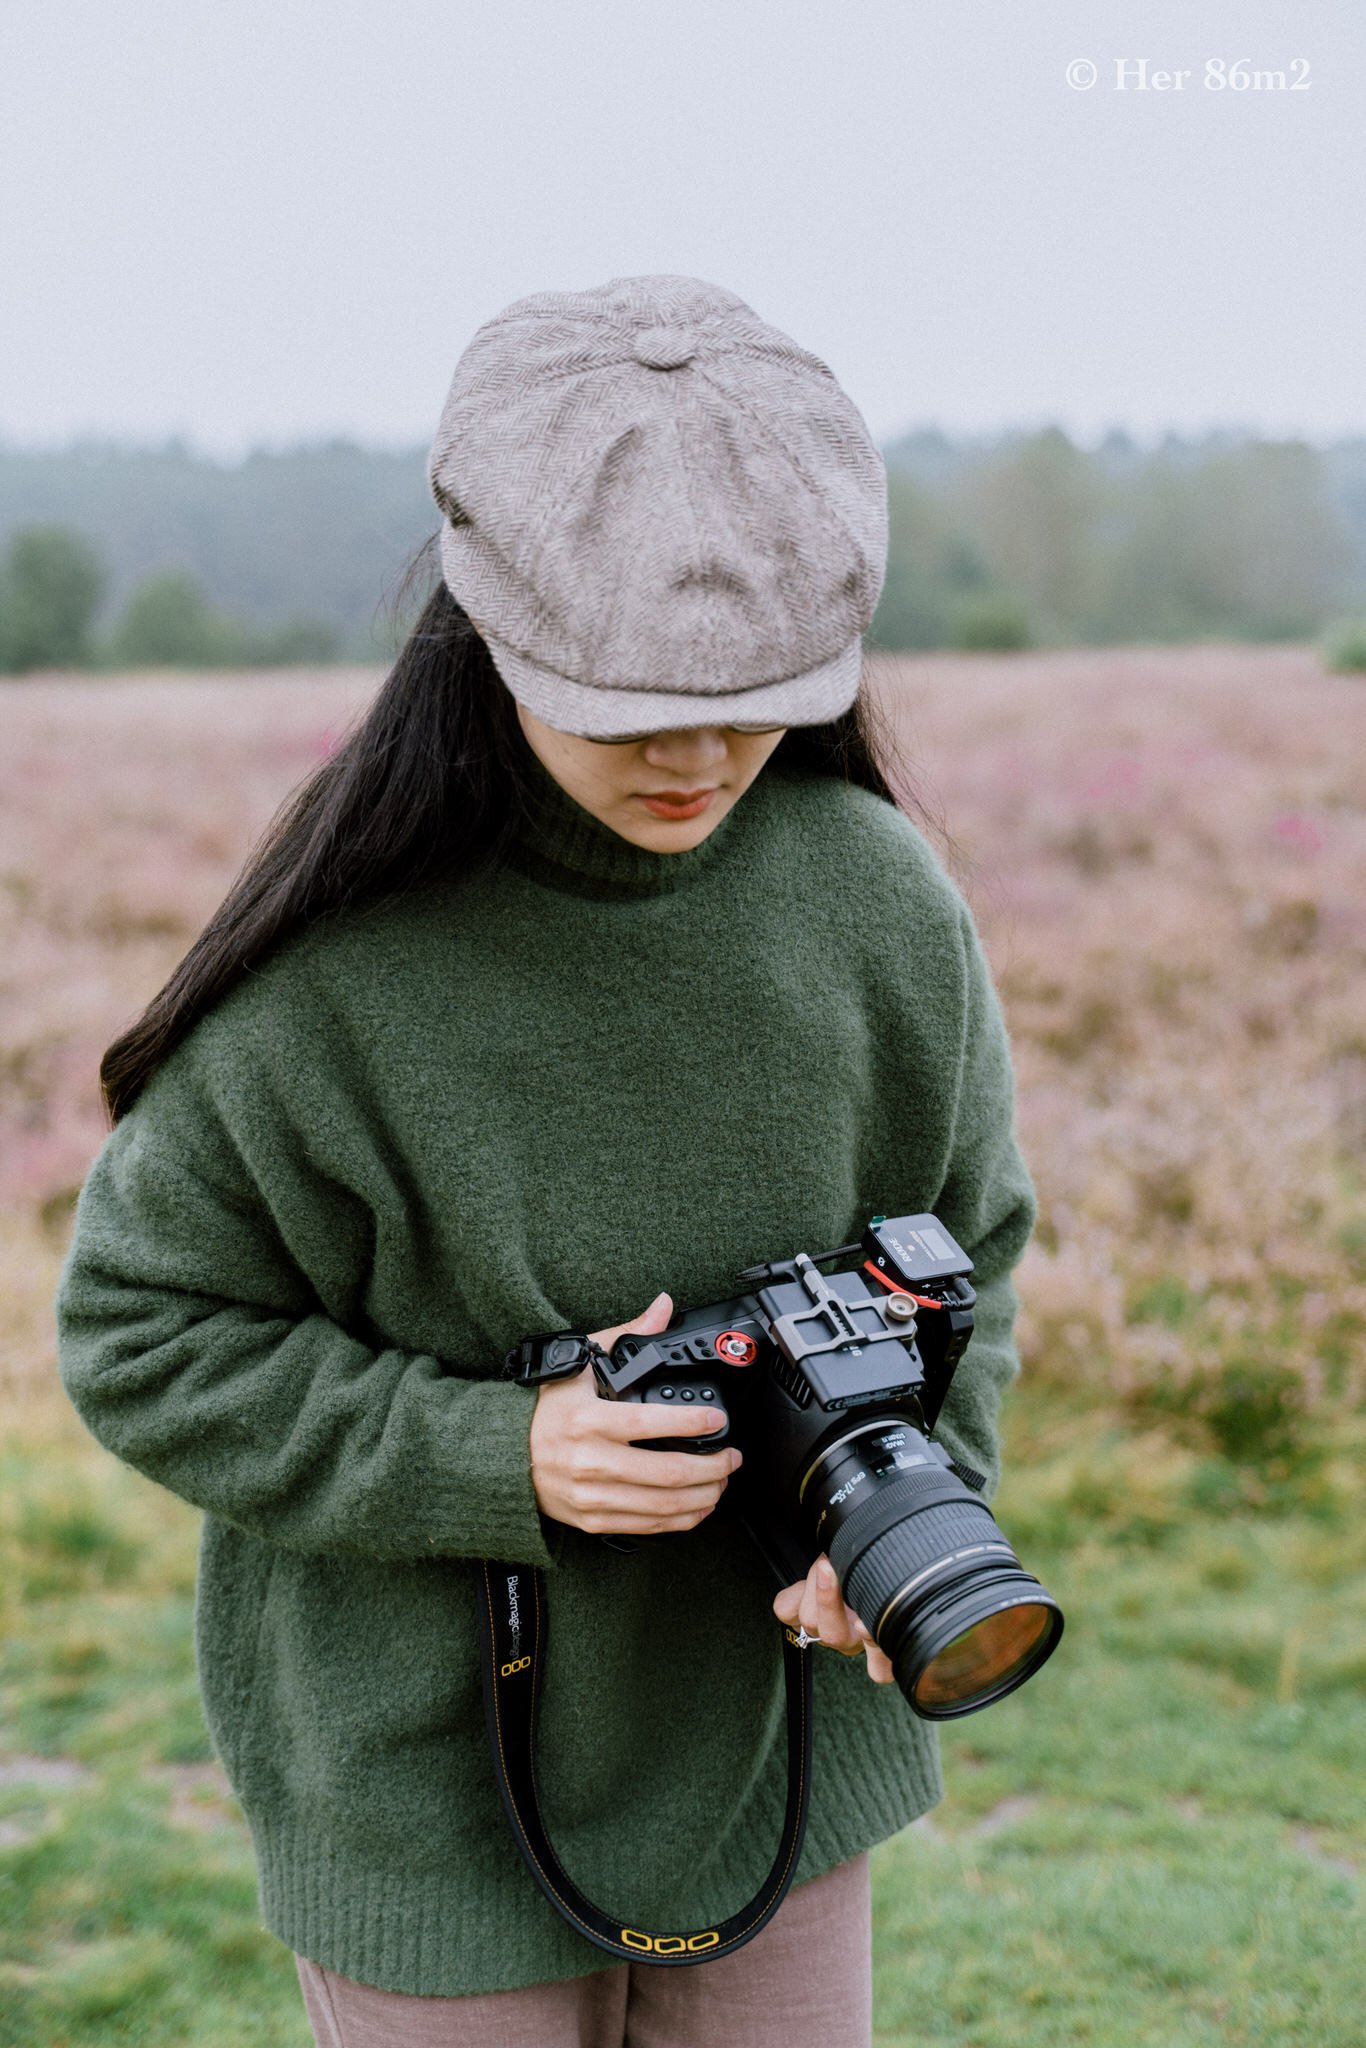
659,511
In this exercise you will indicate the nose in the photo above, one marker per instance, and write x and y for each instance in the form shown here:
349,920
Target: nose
691,750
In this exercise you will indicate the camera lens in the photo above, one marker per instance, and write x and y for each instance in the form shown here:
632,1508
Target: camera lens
987,1659
924,1564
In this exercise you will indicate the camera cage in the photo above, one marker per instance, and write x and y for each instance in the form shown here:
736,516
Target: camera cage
832,1340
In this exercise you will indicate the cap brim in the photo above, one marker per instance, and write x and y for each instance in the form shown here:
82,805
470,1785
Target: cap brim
815,698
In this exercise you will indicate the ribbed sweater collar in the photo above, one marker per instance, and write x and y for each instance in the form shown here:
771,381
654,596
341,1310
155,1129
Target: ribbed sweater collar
561,844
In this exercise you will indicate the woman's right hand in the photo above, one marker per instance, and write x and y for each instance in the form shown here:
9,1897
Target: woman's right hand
586,1470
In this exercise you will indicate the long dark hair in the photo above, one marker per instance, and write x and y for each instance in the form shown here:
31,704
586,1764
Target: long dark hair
434,772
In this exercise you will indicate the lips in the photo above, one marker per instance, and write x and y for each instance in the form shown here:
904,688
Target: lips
678,803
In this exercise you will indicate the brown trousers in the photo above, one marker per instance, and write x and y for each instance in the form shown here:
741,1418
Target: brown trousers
806,1979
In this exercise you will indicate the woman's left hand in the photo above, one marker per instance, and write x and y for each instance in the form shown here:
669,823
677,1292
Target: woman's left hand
815,1604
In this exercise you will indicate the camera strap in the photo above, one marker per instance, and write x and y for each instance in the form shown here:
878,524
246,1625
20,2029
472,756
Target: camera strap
511,1603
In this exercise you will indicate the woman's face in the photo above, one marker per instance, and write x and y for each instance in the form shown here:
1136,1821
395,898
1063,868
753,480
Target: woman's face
665,791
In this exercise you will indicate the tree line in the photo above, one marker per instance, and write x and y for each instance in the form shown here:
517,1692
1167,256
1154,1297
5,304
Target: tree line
51,585
1034,542
128,557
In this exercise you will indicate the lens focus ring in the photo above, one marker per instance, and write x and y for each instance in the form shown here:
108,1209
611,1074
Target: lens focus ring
912,1547
896,1501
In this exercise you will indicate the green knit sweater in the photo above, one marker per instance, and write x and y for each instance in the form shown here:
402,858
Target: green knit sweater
521,1100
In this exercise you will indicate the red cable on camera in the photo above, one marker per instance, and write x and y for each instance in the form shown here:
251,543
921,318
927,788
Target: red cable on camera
895,1286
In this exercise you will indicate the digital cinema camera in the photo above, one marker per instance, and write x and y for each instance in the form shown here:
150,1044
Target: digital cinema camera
832,1388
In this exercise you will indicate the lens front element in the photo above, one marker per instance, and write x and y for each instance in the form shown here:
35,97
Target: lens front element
987,1660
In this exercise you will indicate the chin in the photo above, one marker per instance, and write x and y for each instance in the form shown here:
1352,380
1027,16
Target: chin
662,837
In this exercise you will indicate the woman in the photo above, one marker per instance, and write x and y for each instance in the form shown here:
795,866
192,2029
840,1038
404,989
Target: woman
598,965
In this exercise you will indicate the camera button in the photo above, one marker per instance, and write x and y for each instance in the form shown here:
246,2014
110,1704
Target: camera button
666,1393
706,1393
687,1394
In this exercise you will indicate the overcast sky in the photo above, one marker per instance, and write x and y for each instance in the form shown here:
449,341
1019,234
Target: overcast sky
264,220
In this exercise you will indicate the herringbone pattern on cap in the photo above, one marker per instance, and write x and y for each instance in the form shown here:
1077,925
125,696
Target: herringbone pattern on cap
659,509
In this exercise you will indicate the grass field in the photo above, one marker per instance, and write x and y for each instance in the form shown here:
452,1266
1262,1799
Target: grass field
1159,1841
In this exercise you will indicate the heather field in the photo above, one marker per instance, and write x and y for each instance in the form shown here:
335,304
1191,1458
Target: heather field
1159,1842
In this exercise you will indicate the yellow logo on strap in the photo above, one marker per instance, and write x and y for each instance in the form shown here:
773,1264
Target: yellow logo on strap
670,1944
520,1664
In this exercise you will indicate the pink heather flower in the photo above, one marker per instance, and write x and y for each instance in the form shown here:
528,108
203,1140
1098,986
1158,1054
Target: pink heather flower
1123,777
1299,831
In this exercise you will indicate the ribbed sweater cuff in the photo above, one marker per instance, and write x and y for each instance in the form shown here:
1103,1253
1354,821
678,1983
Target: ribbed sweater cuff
483,1504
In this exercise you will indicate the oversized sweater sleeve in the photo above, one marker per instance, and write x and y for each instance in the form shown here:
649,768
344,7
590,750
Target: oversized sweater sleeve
194,1344
988,1202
